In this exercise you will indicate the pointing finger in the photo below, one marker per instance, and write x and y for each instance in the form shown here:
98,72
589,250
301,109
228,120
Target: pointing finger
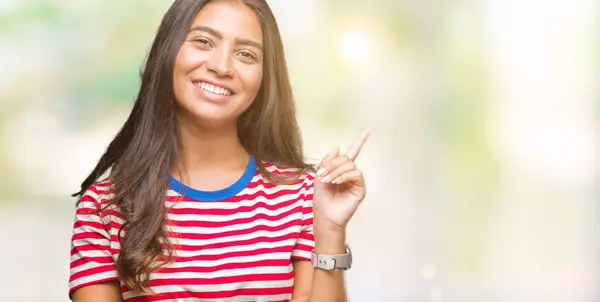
355,148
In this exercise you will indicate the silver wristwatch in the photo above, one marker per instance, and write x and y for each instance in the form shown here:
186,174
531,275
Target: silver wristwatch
332,262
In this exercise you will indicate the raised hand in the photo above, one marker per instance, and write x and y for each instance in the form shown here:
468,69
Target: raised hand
339,186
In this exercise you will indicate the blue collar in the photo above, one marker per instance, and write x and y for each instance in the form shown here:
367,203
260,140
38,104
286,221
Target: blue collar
222,194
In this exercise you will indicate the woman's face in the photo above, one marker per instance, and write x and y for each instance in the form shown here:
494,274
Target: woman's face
218,70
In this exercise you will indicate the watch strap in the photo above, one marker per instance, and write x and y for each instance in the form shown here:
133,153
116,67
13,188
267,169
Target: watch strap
332,262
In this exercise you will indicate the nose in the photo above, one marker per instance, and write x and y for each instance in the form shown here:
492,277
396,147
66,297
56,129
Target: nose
221,62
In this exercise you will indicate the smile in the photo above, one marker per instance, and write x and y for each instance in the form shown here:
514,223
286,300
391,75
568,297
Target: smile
213,88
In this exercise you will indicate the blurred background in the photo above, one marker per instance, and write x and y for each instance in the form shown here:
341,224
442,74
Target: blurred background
482,167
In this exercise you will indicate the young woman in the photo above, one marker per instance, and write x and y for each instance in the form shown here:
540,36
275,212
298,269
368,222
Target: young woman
203,195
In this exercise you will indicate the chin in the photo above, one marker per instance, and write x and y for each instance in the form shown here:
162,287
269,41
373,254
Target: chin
203,113
211,121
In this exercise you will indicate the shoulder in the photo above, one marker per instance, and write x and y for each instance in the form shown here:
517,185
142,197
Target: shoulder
97,196
291,179
295,174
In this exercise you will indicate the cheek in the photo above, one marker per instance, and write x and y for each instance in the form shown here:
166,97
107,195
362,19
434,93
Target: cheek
187,60
253,80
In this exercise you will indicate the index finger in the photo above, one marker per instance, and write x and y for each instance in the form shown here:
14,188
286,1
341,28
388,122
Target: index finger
355,148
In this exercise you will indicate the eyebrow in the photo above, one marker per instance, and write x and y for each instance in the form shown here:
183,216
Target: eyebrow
217,34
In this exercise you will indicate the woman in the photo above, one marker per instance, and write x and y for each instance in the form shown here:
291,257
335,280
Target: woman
206,194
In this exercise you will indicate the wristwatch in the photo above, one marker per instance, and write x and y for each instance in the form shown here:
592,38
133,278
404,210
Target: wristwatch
332,262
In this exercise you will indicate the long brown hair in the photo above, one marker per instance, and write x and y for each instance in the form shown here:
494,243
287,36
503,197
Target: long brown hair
139,159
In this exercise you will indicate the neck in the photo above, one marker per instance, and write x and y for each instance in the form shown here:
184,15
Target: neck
207,148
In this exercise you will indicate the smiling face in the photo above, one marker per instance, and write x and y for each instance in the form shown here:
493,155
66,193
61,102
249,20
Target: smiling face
218,70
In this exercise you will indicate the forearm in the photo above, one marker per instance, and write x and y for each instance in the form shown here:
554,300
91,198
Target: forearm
328,286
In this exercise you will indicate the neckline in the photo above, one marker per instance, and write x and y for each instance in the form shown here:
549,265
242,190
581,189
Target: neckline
217,195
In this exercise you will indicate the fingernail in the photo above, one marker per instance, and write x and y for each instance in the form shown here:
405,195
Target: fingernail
335,181
321,172
326,179
333,150
367,131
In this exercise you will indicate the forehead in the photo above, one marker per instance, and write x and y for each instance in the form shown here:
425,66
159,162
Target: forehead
230,18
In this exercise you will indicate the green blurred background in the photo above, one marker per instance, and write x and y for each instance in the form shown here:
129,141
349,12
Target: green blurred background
482,167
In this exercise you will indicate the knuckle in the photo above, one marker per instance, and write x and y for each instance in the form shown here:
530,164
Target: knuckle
352,165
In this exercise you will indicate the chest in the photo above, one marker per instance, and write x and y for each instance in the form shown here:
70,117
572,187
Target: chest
224,250
236,235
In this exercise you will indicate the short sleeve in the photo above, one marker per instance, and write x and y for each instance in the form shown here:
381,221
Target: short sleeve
91,257
306,241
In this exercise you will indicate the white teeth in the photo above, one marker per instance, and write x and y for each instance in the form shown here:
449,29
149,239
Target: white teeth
212,88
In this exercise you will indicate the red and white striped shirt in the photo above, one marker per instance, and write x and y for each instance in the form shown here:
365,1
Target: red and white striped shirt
235,244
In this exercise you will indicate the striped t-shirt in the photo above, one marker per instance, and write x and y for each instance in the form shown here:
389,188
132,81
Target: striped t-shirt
234,244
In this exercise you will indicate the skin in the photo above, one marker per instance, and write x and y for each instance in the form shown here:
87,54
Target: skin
339,189
224,47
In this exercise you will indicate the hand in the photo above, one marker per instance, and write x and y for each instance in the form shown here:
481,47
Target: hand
339,187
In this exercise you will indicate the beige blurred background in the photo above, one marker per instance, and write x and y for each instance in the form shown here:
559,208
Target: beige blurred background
482,167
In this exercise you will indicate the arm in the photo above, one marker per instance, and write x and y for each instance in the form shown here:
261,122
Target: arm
93,272
310,283
316,285
303,279
338,189
101,292
329,285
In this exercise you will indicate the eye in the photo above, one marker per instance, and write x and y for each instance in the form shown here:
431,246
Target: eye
202,41
248,56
